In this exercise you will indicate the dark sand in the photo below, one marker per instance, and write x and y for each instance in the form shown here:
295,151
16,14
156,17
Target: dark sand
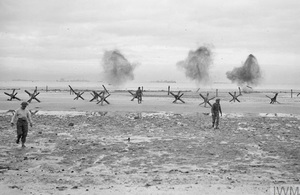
79,147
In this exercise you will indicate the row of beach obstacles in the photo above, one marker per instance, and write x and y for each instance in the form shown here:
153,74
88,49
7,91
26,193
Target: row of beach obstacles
99,97
32,96
102,96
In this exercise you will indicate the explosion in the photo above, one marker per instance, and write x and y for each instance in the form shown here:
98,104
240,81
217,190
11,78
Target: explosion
197,64
249,73
117,69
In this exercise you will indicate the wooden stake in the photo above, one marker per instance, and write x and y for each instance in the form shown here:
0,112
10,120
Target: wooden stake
102,100
105,89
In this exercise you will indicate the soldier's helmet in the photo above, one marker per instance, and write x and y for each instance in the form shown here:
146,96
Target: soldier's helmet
24,103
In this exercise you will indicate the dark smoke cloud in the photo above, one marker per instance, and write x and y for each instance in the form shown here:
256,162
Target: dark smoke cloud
117,69
249,73
197,64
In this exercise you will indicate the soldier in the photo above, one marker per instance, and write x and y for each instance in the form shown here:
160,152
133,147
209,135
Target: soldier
139,94
215,110
22,116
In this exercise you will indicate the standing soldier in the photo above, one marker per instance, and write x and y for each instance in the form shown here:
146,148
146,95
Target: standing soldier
22,116
215,110
139,94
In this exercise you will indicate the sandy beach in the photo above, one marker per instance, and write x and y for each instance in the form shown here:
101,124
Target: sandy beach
157,147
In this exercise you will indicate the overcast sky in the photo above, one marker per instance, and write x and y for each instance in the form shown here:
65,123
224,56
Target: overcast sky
53,39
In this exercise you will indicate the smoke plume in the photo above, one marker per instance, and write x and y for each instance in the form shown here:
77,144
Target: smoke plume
197,64
249,73
117,69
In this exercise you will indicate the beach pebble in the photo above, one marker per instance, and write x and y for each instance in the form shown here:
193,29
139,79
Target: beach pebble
61,188
13,187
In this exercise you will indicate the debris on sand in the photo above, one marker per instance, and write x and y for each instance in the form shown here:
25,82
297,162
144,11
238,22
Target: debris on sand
164,149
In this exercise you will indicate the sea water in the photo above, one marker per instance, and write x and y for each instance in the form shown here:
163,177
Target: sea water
150,86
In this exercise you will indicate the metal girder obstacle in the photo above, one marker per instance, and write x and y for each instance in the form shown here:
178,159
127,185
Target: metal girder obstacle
33,112
96,95
78,94
134,95
103,97
138,94
234,97
12,95
177,96
33,96
273,99
206,100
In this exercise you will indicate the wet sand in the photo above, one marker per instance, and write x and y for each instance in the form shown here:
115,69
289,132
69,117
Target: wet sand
157,147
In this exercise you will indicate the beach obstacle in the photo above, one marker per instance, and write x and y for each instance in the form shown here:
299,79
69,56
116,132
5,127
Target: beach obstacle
78,94
273,99
240,91
234,97
138,94
206,100
134,95
103,97
33,96
177,96
96,96
33,112
12,95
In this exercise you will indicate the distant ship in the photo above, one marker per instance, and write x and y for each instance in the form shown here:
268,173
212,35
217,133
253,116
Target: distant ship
165,81
76,80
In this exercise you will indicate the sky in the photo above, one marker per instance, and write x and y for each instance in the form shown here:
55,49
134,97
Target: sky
53,39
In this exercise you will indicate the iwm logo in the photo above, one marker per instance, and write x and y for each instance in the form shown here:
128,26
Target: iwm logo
285,190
